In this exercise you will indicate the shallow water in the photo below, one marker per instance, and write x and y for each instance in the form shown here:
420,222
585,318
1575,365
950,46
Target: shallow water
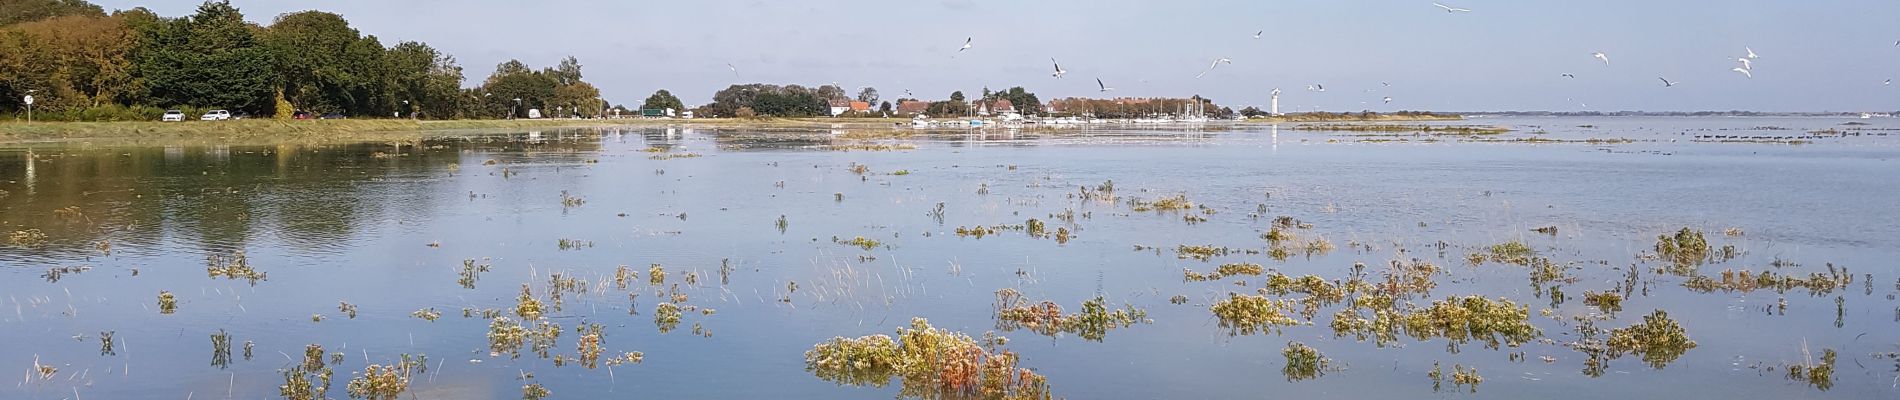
357,222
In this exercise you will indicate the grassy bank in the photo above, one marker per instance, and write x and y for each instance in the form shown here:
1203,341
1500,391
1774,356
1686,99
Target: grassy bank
53,131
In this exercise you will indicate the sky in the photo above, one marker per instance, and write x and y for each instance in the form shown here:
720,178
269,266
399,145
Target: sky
1821,55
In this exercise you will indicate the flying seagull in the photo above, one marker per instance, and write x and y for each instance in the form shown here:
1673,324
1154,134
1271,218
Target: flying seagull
1744,72
1889,82
966,44
1316,88
1104,86
1667,83
1570,76
735,70
907,93
1256,35
1388,99
1059,72
1450,9
1746,63
1600,56
1210,68
1751,52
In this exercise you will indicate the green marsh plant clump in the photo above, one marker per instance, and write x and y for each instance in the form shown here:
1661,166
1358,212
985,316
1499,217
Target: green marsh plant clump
1658,339
470,273
167,303
1249,314
1819,375
1046,318
666,316
1303,362
1686,248
233,266
931,363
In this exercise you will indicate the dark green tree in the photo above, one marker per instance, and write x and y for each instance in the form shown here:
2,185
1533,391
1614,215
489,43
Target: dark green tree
210,59
663,100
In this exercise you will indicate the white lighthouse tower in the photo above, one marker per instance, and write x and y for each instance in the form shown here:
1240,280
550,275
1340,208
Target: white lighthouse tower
1276,103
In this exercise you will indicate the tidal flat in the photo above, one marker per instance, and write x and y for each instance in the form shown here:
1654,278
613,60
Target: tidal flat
1533,258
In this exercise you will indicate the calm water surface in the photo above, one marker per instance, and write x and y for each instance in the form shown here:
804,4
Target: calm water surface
386,227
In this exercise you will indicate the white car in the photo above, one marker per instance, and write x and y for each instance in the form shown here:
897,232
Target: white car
173,116
216,115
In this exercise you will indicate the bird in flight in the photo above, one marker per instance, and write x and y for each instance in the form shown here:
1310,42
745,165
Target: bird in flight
1600,56
1210,67
1751,52
1256,35
1570,76
1667,83
1744,72
966,44
1889,82
1059,72
1316,88
1450,9
1104,86
735,70
907,93
1388,99
1746,63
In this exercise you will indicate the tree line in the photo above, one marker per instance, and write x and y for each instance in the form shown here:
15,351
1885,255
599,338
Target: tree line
81,63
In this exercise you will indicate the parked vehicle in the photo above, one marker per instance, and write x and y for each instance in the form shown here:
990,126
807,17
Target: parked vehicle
301,114
334,116
216,115
173,116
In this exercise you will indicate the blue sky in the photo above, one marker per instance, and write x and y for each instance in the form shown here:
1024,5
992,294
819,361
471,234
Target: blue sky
1506,55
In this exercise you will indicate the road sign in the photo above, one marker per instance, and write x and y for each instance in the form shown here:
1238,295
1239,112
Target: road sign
29,99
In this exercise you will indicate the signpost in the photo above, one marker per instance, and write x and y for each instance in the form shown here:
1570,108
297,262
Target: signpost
29,108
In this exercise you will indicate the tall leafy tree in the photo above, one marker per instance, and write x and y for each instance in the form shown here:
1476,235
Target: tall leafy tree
17,11
210,59
661,100
428,79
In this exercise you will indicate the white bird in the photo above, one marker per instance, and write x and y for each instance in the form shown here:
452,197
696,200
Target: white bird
966,44
1059,72
1889,82
1666,82
1600,56
1744,72
1746,63
1316,88
1388,99
1256,35
1210,67
1104,86
735,70
1751,52
1570,76
1450,9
